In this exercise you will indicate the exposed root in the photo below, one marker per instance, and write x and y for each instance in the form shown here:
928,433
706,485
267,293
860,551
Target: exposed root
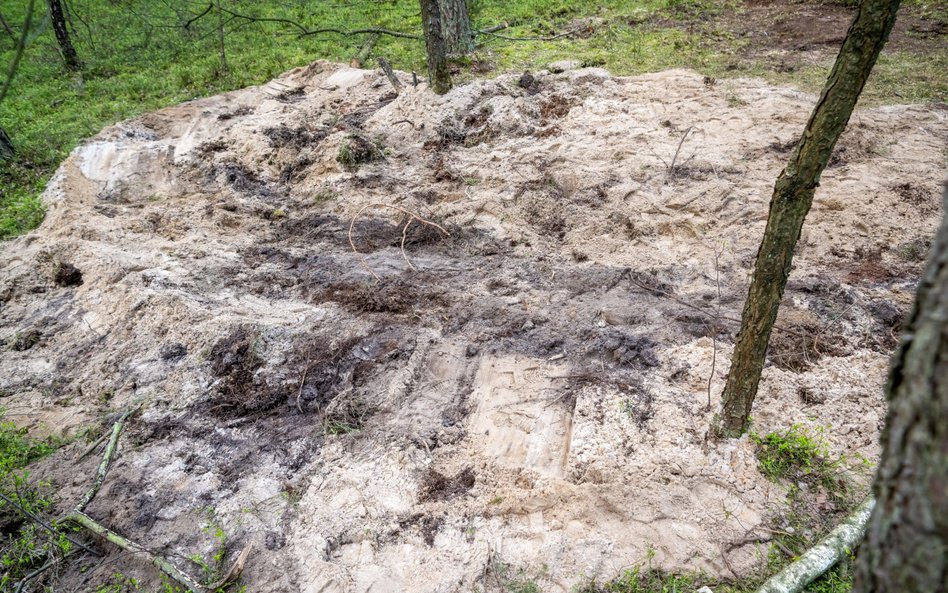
411,217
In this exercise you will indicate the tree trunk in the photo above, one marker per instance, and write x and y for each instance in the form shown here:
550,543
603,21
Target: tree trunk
58,18
435,47
792,197
7,150
456,27
906,547
6,28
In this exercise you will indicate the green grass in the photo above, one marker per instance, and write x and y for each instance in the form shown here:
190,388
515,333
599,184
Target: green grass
139,58
796,454
25,545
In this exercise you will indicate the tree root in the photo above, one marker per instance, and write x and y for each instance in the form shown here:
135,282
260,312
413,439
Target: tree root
411,218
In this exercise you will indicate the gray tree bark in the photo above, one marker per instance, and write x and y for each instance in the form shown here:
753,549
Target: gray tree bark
456,27
435,47
58,19
791,201
906,547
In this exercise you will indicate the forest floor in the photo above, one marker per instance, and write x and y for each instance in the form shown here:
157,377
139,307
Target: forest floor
140,56
473,342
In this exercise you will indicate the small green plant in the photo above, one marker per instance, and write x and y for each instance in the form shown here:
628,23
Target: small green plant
515,580
795,454
119,583
335,427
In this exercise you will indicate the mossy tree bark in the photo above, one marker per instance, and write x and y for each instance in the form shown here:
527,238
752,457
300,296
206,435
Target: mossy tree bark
456,27
791,201
906,546
435,47
58,18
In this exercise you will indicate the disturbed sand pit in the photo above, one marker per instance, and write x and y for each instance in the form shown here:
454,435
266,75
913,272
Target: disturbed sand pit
528,389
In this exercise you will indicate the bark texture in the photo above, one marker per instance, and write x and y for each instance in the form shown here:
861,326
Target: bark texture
791,201
58,18
456,27
906,547
435,47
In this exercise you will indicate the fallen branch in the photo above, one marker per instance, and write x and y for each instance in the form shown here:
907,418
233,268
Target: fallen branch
823,555
304,32
387,69
363,55
93,446
78,517
84,520
508,38
235,569
411,217
106,459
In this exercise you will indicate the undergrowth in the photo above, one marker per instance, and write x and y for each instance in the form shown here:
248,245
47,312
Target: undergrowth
25,545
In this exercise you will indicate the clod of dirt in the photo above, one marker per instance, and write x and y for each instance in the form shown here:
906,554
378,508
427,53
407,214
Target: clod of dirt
529,83
436,486
297,138
358,150
66,274
173,351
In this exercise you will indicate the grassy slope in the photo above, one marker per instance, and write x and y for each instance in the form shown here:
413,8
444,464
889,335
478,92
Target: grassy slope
136,62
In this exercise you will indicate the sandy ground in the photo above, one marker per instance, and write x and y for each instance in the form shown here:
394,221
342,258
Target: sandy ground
382,408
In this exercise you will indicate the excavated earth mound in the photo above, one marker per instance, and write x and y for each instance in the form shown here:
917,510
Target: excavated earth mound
398,341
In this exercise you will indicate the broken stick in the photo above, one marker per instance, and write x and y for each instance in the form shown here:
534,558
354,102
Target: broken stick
84,520
387,69
363,55
106,459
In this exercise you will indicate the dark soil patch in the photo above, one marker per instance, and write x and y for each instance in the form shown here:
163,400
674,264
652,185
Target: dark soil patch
235,363
239,112
924,200
428,525
437,487
555,107
211,146
242,179
297,138
529,83
294,170
389,295
66,274
21,342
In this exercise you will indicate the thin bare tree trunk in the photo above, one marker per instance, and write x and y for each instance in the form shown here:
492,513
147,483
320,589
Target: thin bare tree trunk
58,18
220,36
6,27
456,27
906,547
792,197
435,47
